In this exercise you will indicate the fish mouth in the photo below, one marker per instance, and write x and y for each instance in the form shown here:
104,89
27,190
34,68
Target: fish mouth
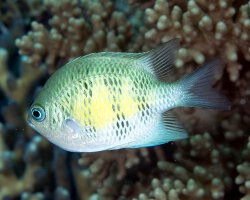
30,123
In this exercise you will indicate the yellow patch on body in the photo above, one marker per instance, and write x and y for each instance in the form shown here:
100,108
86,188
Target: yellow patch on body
97,110
128,104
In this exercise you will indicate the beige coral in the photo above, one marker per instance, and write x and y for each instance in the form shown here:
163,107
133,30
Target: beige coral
17,88
11,185
206,29
60,42
73,35
185,179
100,163
243,178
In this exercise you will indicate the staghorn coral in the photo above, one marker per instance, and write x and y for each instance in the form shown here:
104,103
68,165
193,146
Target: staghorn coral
17,88
205,28
10,11
15,16
212,164
71,34
185,179
243,177
105,170
10,183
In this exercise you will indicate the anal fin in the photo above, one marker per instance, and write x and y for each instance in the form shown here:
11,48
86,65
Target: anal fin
173,128
166,129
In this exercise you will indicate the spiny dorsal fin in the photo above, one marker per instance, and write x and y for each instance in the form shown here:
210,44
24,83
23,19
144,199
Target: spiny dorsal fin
161,60
133,56
158,61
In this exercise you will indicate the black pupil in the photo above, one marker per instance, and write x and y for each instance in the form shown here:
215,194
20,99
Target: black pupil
36,114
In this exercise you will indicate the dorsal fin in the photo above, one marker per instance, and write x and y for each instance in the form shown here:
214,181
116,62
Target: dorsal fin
114,55
158,61
161,60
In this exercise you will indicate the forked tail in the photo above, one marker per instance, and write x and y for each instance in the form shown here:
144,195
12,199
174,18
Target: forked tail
198,91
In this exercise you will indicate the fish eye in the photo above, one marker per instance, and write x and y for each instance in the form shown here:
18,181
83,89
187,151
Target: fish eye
38,113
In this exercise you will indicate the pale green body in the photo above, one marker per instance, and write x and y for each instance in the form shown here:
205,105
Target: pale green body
107,101
73,85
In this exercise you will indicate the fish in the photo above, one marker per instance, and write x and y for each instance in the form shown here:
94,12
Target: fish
115,100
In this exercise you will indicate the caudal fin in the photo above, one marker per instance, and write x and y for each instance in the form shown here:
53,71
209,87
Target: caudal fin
198,91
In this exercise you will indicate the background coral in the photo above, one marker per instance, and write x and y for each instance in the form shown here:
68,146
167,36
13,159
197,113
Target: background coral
212,164
206,28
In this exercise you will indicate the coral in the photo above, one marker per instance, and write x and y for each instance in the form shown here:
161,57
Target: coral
10,183
185,179
14,17
17,88
7,9
105,169
12,11
71,34
206,29
212,164
243,178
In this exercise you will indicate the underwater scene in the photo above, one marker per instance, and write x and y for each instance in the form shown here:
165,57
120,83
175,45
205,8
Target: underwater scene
163,114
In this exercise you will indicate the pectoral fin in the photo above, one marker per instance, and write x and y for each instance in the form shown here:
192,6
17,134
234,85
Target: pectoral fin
73,127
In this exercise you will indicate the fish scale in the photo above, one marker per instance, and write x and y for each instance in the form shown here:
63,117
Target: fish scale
107,101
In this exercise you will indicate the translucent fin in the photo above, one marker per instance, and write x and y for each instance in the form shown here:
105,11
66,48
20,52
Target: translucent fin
161,60
174,128
74,128
168,129
198,91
